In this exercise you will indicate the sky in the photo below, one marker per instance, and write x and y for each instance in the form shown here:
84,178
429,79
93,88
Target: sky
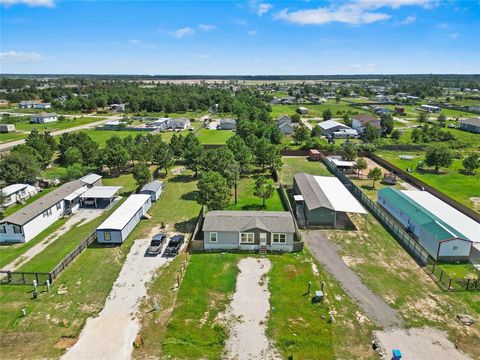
248,37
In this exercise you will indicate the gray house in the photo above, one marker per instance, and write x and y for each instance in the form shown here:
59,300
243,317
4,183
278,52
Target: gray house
330,126
154,189
285,125
471,125
227,124
248,230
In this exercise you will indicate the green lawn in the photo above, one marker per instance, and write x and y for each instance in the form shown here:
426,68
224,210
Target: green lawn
316,110
460,271
295,165
12,137
214,136
58,125
450,181
101,136
366,185
126,181
248,201
386,268
14,208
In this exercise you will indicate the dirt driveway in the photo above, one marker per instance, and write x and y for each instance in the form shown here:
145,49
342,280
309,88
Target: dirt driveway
111,334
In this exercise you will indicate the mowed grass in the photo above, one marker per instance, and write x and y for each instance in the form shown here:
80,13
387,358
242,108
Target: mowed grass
126,181
296,165
7,137
101,136
450,180
386,268
193,332
248,201
58,125
316,110
460,271
214,137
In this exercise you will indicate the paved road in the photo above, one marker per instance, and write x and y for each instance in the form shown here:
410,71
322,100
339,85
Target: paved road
326,253
9,145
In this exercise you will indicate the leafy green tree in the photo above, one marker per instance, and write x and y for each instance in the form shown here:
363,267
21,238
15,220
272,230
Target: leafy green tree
19,167
213,190
267,154
73,156
42,144
295,118
386,124
471,163
442,120
301,134
72,172
416,136
192,153
375,174
347,120
163,155
264,188
371,133
327,114
242,153
115,157
438,156
422,117
349,151
360,165
396,134
141,174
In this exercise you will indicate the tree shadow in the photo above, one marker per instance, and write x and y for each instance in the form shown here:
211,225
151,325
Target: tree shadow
367,187
190,196
253,207
185,226
182,179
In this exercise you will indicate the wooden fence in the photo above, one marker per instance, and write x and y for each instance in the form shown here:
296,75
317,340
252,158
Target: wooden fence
24,278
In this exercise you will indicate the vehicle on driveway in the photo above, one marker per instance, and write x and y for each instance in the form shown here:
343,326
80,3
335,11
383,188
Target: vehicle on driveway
174,245
156,244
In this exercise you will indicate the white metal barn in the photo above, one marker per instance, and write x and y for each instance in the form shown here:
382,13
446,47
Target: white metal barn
154,189
116,228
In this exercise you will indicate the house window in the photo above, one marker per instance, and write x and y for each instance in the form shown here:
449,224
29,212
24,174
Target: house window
107,236
279,238
17,229
3,230
247,238
455,248
213,237
59,206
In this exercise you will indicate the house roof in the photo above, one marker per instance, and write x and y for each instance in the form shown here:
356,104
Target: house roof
328,192
152,186
238,221
329,124
43,115
283,119
90,179
11,189
228,121
101,192
364,118
433,224
339,162
475,121
124,213
29,212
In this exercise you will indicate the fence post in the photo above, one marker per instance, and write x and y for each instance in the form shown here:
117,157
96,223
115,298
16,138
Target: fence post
449,283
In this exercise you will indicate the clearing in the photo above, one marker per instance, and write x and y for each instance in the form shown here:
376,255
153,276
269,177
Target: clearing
294,165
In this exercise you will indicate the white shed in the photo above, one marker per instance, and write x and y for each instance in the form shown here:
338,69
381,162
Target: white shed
154,189
116,228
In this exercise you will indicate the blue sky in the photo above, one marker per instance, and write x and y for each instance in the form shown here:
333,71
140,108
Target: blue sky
240,37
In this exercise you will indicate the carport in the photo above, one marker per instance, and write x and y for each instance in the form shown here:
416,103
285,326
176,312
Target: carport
99,196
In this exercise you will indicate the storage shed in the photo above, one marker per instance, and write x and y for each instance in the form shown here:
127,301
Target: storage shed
116,228
91,180
444,239
154,189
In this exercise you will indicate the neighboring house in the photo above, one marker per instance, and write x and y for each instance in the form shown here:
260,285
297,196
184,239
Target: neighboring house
359,122
341,164
323,201
42,106
4,102
178,124
161,124
285,125
411,98
284,119
99,196
43,118
227,124
302,110
474,108
117,107
471,125
114,125
91,180
28,104
17,193
330,126
381,111
28,222
399,110
7,128
154,189
248,230
430,108
445,233
116,228
345,134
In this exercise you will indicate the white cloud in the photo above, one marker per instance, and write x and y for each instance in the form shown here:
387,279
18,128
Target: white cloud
443,26
134,41
33,3
260,8
453,35
252,32
408,20
16,57
181,33
354,12
207,27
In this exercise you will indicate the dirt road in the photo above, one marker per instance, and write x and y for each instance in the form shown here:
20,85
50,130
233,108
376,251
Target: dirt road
110,335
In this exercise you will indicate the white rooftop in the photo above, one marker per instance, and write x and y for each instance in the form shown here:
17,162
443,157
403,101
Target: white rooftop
124,212
331,124
338,195
75,194
90,178
460,222
339,162
101,192
11,189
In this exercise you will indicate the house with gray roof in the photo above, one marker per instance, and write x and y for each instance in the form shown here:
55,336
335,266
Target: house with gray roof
154,189
28,222
227,124
249,230
285,125
470,124
178,123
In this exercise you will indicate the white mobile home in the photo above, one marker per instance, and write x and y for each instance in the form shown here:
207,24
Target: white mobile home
116,228
17,192
43,118
154,189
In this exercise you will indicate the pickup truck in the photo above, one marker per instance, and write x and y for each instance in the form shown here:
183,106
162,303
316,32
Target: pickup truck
156,244
174,245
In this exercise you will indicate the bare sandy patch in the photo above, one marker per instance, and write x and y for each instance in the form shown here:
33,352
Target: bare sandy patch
248,312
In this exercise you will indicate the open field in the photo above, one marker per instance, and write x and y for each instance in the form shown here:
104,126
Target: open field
449,181
7,137
461,271
389,271
295,165
216,137
316,110
58,125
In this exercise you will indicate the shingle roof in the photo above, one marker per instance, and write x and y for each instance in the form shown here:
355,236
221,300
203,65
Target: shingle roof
29,212
364,118
273,221
152,186
471,121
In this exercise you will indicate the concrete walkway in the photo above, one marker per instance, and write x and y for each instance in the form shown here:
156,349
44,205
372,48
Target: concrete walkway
111,334
327,254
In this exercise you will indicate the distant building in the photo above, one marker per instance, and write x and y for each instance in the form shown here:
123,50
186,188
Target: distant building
7,128
27,104
17,193
178,123
330,126
470,125
359,122
430,108
42,106
302,110
227,124
117,107
400,110
474,108
43,118
154,189
285,125
4,102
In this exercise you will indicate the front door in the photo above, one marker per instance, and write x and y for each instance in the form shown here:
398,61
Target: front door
263,238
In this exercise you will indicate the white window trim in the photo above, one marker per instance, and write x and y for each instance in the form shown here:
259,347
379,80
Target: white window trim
216,237
109,236
247,242
279,242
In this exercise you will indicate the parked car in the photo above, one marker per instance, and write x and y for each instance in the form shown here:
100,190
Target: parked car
156,244
174,245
